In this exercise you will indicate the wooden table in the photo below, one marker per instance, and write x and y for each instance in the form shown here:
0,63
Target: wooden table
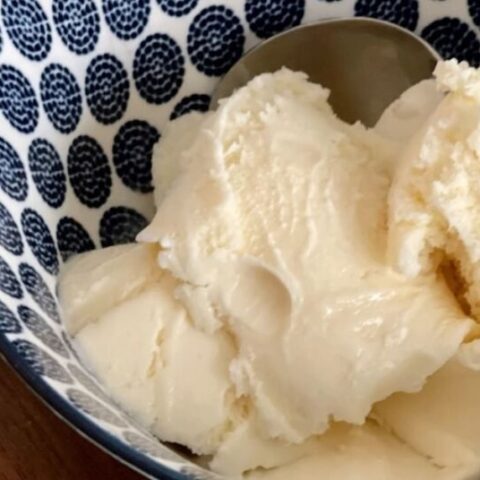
36,445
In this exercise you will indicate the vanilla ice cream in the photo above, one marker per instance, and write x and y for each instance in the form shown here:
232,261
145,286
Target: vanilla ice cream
259,315
434,201
275,227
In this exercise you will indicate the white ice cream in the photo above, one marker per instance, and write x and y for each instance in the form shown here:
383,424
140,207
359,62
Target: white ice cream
275,227
434,202
260,310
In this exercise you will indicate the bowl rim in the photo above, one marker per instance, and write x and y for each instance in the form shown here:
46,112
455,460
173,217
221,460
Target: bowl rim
111,445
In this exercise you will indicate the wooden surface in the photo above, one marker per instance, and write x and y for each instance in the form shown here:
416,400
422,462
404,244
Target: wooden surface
36,445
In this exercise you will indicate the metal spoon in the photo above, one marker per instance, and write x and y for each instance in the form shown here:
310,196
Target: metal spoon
365,63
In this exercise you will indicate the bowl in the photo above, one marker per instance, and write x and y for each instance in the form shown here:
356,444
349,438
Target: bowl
86,87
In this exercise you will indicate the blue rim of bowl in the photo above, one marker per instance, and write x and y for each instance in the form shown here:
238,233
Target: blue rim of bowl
127,455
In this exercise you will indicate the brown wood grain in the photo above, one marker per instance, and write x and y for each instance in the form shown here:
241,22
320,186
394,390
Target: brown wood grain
36,445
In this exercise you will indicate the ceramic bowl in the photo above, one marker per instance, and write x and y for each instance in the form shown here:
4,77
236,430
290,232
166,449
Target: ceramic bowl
86,87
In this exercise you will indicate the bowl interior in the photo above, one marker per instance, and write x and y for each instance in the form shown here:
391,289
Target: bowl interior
86,88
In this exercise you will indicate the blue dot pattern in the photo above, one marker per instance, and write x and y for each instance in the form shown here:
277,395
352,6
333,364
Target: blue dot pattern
107,88
8,281
215,40
401,12
39,291
89,171
126,18
132,154
61,97
28,28
72,238
10,238
41,362
47,172
13,179
40,240
8,321
177,8
67,341
196,102
474,10
154,448
77,23
453,38
158,68
90,406
17,99
120,225
88,382
269,17
42,330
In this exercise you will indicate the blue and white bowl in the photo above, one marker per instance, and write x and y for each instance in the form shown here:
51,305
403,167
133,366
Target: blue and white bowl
86,87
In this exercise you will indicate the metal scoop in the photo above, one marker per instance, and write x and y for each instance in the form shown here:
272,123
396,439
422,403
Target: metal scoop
365,63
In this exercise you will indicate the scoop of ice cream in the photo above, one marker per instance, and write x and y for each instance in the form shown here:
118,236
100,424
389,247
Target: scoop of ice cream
173,378
170,376
274,225
434,217
259,311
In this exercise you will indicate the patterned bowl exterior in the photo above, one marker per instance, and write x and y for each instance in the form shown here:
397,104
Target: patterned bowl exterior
85,89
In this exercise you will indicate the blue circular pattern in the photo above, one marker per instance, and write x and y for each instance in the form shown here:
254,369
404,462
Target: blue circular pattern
150,446
126,18
158,68
453,38
41,362
196,102
269,17
67,340
61,97
177,8
89,171
77,23
28,28
132,154
40,240
72,238
17,99
474,10
8,281
13,179
47,172
120,225
42,330
87,382
39,291
10,238
8,321
93,407
401,12
215,40
107,88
